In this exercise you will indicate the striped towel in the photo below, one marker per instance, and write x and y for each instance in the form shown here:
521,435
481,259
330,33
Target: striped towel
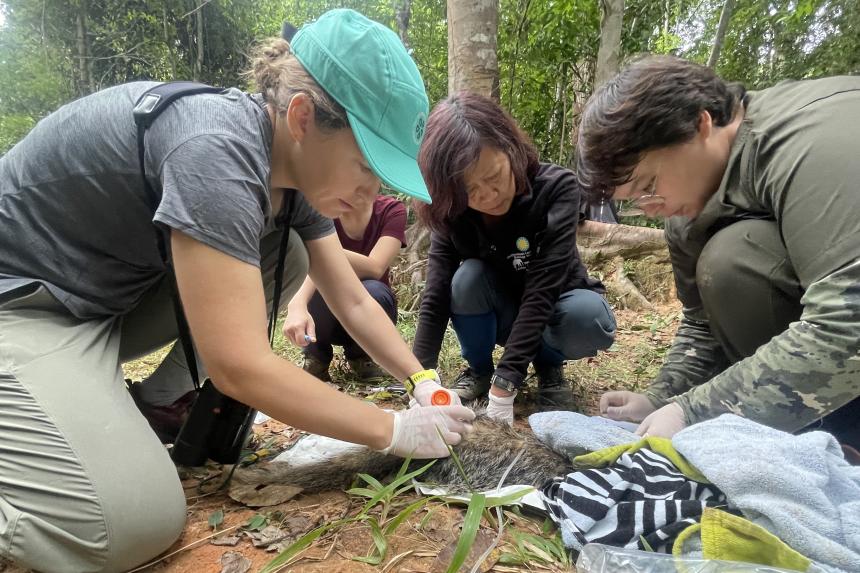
640,496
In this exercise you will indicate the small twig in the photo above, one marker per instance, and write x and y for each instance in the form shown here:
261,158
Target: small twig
331,548
189,546
195,10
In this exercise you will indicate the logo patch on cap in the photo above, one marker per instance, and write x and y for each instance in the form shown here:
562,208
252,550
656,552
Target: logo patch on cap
418,128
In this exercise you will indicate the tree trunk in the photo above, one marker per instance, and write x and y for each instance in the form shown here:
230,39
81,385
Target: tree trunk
472,36
168,41
609,53
402,14
198,67
601,241
564,95
725,16
84,83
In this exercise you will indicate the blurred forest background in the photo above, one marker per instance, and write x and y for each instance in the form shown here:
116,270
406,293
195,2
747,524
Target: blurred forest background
53,51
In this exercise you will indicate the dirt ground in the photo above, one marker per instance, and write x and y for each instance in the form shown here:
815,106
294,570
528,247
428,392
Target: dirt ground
418,542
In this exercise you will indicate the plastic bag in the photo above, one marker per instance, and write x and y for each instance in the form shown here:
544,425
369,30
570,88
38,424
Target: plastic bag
596,558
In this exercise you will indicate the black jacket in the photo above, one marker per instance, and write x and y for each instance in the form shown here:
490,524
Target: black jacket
538,270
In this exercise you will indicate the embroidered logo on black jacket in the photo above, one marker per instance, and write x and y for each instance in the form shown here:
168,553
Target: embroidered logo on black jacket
520,259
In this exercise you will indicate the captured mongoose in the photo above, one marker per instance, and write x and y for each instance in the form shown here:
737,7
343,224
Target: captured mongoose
485,455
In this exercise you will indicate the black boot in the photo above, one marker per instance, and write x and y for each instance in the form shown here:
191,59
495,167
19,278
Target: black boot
554,392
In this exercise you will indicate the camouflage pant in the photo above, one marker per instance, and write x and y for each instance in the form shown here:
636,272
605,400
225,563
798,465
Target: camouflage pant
751,293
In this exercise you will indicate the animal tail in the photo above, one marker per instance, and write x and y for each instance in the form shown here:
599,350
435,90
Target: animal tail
316,463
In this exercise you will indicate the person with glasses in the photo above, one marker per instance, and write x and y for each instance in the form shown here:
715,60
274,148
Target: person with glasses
503,264
85,484
760,195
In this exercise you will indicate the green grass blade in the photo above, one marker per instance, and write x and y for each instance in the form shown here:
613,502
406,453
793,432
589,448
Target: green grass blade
404,489
380,543
493,501
362,491
300,545
470,529
371,481
646,545
390,488
457,462
404,514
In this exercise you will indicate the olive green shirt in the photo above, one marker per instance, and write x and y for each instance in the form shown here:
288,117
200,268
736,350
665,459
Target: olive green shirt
796,161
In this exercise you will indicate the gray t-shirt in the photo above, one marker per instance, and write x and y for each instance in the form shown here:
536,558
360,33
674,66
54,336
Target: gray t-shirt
74,215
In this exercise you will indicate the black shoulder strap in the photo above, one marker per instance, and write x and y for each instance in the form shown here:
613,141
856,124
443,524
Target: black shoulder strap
147,108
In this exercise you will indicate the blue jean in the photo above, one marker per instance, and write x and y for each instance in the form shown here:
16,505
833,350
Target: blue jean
330,331
483,312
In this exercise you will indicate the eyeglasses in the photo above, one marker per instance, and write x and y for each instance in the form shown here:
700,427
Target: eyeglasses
639,205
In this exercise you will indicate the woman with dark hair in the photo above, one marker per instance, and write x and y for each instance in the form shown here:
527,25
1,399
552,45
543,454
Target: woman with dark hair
503,263
764,231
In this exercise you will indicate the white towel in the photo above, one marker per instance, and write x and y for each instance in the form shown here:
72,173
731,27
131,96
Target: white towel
800,488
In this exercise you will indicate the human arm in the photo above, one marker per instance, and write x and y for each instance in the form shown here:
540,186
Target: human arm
800,375
551,257
435,311
695,356
389,227
299,323
232,343
362,317
380,259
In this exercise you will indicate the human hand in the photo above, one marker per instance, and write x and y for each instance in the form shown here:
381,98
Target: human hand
423,432
625,405
664,423
424,391
299,327
501,408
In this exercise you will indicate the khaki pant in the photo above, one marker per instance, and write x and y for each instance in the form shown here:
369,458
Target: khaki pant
85,485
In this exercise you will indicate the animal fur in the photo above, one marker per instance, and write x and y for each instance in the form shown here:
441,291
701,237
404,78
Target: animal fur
485,454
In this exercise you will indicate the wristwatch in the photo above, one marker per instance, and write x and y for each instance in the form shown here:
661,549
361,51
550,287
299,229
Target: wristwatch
503,383
423,376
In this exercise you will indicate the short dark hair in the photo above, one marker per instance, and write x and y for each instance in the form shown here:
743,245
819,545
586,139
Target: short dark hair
653,102
457,129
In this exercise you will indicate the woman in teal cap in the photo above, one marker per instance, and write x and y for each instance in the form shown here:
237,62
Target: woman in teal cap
85,485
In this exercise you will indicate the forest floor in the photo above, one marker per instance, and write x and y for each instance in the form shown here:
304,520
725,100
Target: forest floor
223,535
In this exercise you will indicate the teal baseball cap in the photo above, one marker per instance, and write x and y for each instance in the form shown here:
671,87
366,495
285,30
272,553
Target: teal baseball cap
365,68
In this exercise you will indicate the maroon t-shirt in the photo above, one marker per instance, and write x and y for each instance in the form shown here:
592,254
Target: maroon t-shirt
387,220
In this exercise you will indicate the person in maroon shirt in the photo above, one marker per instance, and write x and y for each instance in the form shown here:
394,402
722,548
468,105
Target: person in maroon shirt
371,234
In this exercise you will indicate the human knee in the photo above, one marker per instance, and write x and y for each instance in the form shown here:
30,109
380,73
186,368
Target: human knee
585,324
718,265
470,289
91,533
378,290
133,542
727,256
382,294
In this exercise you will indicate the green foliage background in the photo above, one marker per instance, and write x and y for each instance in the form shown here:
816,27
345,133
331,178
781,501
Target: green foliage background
546,48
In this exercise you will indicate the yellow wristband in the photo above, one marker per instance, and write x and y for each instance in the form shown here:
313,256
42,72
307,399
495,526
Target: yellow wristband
423,376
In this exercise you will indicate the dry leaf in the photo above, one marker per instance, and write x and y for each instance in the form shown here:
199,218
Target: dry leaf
256,495
297,525
268,536
229,540
235,562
